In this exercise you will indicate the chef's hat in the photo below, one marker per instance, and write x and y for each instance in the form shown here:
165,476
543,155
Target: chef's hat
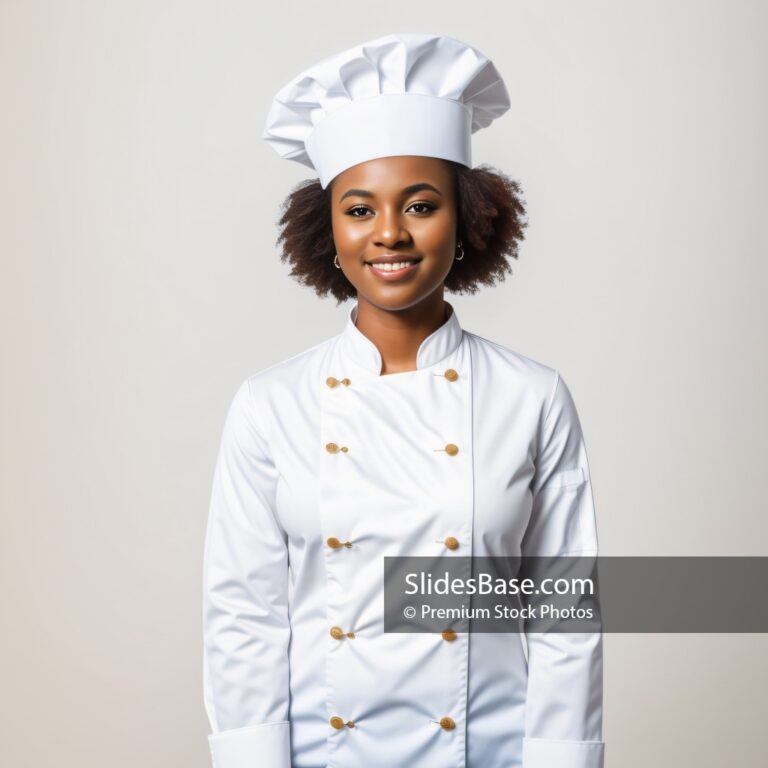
403,94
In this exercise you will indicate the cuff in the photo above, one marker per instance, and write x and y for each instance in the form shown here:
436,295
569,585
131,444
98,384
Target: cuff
267,745
545,753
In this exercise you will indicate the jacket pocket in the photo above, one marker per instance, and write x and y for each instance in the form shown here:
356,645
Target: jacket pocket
568,478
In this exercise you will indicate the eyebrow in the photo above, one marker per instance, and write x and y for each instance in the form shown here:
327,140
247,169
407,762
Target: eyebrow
420,187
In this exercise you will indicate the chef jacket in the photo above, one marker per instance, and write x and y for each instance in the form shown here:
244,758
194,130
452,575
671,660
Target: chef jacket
325,467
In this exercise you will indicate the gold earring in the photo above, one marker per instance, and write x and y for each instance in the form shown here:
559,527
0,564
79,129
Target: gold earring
458,246
336,261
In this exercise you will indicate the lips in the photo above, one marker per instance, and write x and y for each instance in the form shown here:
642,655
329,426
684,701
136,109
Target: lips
393,270
383,261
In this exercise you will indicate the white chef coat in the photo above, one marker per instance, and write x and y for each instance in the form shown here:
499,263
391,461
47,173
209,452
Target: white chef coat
325,467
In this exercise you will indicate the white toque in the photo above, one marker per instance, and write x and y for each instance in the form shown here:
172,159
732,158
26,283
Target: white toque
403,94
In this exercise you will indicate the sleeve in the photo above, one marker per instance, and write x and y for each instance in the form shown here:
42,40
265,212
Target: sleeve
246,629
564,706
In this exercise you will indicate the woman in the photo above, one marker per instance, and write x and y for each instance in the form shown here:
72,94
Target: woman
402,436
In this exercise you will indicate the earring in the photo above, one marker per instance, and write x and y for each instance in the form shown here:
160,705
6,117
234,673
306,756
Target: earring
458,246
336,261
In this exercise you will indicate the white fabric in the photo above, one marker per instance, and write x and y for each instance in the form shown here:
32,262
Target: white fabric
402,94
242,747
543,753
273,588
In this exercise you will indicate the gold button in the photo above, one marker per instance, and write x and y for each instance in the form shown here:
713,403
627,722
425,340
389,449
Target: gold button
337,722
334,543
449,635
332,381
332,448
337,633
451,542
446,723
451,375
451,449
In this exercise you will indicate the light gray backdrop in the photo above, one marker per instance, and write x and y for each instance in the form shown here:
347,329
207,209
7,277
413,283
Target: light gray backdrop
140,284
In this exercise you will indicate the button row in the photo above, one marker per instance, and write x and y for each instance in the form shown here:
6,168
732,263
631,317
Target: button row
450,448
451,542
337,633
333,382
446,723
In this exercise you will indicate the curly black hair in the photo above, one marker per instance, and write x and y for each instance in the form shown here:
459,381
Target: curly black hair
491,219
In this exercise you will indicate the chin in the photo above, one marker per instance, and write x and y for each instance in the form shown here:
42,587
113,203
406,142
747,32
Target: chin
397,298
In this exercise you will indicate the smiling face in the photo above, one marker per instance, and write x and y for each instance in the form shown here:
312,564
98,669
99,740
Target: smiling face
394,227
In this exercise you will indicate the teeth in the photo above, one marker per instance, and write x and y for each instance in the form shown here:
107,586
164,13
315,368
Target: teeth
393,267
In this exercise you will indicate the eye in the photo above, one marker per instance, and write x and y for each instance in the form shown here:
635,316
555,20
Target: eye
359,211
427,207
351,211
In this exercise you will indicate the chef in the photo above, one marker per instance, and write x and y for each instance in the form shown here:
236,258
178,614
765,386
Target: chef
404,435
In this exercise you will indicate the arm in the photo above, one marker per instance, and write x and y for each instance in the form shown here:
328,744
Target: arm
245,603
565,671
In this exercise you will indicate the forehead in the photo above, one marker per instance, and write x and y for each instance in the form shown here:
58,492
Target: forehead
391,174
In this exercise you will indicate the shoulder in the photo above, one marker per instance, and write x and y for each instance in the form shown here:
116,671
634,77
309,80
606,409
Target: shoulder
510,369
290,370
527,386
277,386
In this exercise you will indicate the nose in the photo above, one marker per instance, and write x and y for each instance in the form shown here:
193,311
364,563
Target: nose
389,230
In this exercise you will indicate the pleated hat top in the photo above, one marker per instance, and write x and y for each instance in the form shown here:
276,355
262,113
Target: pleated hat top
402,94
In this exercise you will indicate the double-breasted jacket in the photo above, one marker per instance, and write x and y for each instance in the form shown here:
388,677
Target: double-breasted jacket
325,467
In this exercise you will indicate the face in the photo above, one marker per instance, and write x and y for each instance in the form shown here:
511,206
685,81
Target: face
400,210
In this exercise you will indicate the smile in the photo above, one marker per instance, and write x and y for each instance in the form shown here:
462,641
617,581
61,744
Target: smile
393,270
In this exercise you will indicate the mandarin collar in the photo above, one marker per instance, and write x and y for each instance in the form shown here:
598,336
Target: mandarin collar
436,347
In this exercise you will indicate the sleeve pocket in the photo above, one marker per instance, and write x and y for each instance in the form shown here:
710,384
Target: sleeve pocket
566,479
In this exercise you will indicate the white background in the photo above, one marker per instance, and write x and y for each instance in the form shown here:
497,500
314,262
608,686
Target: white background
141,284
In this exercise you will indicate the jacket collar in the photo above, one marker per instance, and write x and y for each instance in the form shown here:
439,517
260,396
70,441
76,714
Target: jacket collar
436,347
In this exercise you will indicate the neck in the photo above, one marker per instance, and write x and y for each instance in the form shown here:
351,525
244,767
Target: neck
398,333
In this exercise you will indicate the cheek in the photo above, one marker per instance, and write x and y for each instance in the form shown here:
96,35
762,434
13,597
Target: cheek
436,236
347,236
